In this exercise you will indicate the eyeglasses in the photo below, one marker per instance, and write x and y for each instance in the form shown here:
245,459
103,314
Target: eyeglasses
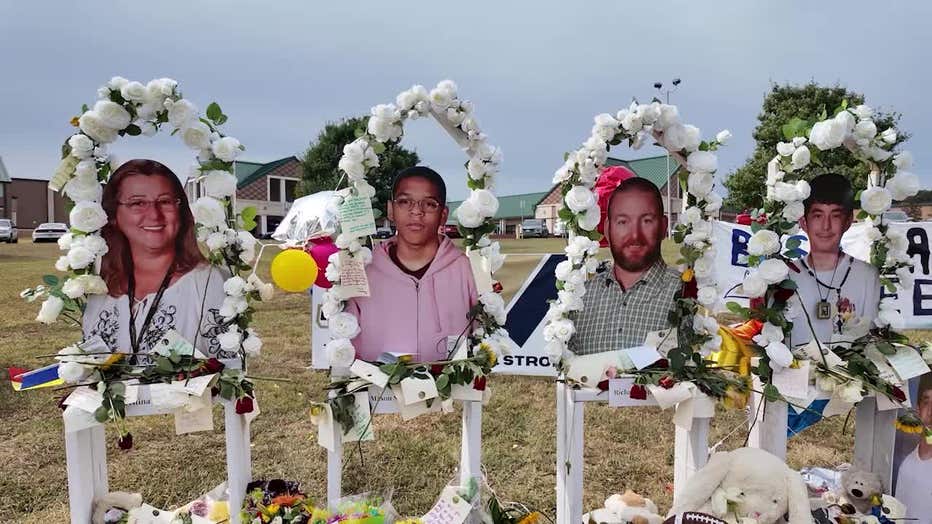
426,206
141,205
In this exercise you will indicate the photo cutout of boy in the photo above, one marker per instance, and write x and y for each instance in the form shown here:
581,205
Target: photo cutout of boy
912,458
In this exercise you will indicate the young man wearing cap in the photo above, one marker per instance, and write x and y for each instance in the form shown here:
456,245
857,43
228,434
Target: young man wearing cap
838,293
628,299
421,285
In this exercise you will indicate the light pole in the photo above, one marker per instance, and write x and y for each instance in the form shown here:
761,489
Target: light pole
666,93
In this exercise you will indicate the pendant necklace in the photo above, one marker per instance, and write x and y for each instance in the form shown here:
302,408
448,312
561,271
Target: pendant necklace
823,307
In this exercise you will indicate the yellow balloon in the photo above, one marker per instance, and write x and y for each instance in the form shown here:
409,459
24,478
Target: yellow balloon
294,270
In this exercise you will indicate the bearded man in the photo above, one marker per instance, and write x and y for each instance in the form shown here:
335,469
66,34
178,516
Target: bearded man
626,300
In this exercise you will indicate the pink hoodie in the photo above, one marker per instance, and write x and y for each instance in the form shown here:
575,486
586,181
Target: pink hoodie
406,315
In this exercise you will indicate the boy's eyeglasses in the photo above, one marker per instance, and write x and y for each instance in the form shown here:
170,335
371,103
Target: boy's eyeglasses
428,205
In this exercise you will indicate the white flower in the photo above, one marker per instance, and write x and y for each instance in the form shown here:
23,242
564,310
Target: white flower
702,161
866,129
780,355
83,188
785,148
579,246
219,184
226,149
590,218
902,186
468,215
216,241
763,243
579,199
148,128
723,136
341,353
87,216
133,91
476,168
754,286
876,200
73,288
72,372
888,135
704,266
560,330
713,202
344,325
181,112
879,154
358,156
247,245
50,310
888,315
252,344
93,126
79,256
851,391
631,122
700,183
231,307
196,135
905,278
801,157
803,189
208,212
793,211
674,137
772,271
494,305
772,332
669,116
86,168
81,146
563,270
708,296
829,134
112,114
265,289
903,160
230,340
774,174
384,123
784,192
485,202
235,286
898,241
863,111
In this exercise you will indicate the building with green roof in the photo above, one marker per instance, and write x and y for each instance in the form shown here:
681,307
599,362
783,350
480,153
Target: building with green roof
512,209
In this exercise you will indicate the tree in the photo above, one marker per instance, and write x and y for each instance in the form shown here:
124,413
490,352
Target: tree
319,164
747,185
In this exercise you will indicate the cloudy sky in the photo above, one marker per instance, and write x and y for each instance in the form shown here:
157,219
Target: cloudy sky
536,71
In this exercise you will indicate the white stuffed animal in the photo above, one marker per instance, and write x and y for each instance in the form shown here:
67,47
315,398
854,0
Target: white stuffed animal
628,508
112,506
746,484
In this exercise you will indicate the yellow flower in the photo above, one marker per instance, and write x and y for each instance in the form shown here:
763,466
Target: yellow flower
532,518
489,353
908,425
74,121
687,275
219,511
735,398
271,510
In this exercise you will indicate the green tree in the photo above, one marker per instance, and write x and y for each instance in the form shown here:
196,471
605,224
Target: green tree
320,161
747,185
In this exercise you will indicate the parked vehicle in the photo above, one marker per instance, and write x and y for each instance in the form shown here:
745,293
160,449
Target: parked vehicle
534,227
49,232
8,231
384,232
450,230
559,228
895,216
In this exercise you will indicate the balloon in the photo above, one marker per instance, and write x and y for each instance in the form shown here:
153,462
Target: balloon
293,270
320,252
310,217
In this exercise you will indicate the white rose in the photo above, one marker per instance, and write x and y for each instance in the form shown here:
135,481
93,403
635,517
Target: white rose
476,168
708,296
898,241
73,288
704,266
87,216
196,135
94,243
631,122
589,219
888,135
828,134
50,310
692,215
669,116
863,111
181,113
561,330
341,353
64,241
764,242
231,339
252,344
468,215
79,257
93,126
803,189
772,332
208,212
219,184
700,183
112,114
649,113
133,91
785,148
702,161
93,285
216,241
563,270
905,278
801,157
235,286
86,168
784,192
247,245
879,154
265,289
344,325
794,211
579,199
713,202
723,136
888,315
226,148
866,129
903,185
62,264
83,188
780,355
754,286
876,200
851,391
903,160
485,202
81,146
674,137
72,372
774,174
772,271
693,138
231,307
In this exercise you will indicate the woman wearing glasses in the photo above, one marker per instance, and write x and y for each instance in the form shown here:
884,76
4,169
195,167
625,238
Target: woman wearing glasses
157,278
421,285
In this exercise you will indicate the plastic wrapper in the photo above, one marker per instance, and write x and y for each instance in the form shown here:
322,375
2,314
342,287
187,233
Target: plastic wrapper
310,217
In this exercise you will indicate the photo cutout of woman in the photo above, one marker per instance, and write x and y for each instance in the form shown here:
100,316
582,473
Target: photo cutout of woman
421,284
158,280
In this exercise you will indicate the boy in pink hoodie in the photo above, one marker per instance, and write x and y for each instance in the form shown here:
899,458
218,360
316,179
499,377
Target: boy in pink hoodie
421,285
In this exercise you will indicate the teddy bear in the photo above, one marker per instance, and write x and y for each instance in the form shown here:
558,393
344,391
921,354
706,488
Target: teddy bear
624,509
113,506
858,487
743,485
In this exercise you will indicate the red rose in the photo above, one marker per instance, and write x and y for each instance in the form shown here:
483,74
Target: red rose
638,392
662,363
213,365
603,386
783,294
497,287
244,405
436,369
690,289
479,384
125,442
898,393
757,303
666,382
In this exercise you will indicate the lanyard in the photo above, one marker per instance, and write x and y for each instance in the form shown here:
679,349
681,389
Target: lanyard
135,339
829,286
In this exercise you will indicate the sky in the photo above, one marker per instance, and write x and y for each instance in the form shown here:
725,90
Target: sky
537,72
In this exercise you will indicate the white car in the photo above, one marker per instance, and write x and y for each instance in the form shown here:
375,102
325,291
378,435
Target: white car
49,232
7,231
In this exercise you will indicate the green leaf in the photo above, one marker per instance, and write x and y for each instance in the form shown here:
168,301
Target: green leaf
771,393
443,381
793,242
736,308
133,130
102,414
50,280
788,284
359,132
213,112
378,147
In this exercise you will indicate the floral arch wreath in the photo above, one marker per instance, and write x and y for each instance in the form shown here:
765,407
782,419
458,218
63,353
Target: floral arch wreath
691,315
131,108
475,217
771,255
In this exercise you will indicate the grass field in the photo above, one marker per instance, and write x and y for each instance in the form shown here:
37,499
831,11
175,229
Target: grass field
625,448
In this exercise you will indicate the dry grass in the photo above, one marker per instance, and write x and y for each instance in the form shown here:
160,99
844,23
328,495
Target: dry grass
625,447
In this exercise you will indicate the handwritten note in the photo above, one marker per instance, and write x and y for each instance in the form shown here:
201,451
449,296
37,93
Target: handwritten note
664,340
353,279
791,382
356,217
451,508
643,356
908,363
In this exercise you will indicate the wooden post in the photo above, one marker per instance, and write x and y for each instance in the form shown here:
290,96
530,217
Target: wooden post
471,450
690,452
768,421
335,467
874,436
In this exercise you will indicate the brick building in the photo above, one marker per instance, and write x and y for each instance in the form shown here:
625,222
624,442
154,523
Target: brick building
28,202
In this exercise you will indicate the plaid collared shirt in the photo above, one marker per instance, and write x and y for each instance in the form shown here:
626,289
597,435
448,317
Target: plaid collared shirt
614,318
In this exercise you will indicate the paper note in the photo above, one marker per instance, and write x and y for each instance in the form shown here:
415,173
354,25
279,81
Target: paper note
812,351
362,429
908,363
663,340
168,396
94,344
356,217
76,419
836,406
370,372
353,279
643,356
195,386
793,382
326,432
382,400
450,508
190,421
468,393
619,394
85,398
418,389
481,271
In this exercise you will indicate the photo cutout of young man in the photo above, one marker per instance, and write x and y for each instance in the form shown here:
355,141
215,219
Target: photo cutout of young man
913,460
421,284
